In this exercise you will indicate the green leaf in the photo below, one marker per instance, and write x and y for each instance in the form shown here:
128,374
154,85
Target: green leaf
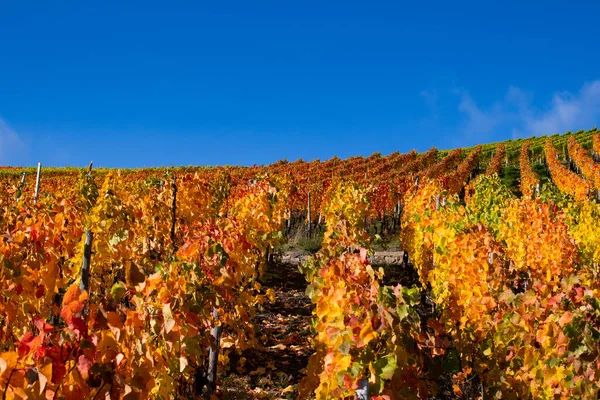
386,367
402,311
344,348
552,362
411,295
118,291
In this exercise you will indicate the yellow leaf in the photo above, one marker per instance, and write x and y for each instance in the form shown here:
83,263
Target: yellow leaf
168,317
345,362
44,373
8,361
288,389
367,334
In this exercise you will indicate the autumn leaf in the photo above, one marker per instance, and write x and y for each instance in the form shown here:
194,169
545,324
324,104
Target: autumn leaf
169,321
114,320
183,362
259,371
117,291
367,334
29,343
8,362
457,390
133,274
78,326
59,371
44,374
83,366
73,302
288,389
565,319
42,326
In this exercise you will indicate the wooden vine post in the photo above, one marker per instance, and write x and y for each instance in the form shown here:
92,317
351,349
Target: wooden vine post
37,183
308,217
399,215
85,265
90,168
213,358
174,214
21,186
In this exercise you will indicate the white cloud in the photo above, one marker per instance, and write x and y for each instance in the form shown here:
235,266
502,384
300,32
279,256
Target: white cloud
11,145
515,114
568,112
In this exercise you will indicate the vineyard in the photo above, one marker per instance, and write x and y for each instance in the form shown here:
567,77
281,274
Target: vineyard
164,283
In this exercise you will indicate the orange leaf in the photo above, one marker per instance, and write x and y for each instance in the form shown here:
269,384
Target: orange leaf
73,302
565,319
8,361
114,319
367,334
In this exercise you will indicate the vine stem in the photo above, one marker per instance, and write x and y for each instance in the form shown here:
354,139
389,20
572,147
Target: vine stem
99,390
60,384
7,384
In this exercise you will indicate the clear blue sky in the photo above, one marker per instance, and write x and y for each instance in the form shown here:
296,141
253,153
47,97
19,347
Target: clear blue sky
131,84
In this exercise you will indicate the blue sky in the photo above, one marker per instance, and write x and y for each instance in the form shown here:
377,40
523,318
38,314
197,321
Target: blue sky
132,84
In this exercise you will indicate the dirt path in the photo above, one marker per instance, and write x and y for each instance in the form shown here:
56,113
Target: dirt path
273,371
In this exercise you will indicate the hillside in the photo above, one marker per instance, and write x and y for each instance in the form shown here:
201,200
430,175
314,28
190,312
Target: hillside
270,281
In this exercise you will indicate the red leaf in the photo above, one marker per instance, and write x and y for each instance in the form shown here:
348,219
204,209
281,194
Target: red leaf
59,371
78,326
41,352
42,326
29,343
23,346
